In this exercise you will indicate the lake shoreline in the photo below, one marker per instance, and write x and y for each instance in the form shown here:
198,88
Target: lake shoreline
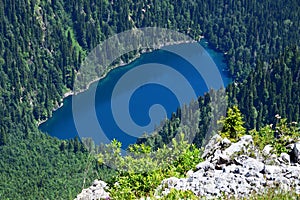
121,64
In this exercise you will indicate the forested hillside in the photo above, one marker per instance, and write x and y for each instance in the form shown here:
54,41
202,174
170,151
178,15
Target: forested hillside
42,44
271,88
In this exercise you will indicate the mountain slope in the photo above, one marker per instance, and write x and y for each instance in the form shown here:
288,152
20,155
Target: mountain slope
42,44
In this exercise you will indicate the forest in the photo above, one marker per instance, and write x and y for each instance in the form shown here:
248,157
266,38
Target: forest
42,44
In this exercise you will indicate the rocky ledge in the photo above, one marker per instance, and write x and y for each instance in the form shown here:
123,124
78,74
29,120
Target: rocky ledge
94,192
238,170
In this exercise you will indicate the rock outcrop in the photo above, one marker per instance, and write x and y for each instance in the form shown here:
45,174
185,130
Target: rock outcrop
238,169
94,192
296,151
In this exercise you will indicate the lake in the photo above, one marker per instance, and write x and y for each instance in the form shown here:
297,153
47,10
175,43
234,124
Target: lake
61,124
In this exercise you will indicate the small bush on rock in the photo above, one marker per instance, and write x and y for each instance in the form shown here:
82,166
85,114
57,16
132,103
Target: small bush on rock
142,170
180,194
279,137
232,125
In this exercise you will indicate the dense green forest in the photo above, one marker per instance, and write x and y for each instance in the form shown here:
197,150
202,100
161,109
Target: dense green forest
42,44
270,89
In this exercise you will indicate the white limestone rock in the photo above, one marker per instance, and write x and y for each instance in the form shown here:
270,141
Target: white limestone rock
285,158
267,150
96,191
296,152
212,146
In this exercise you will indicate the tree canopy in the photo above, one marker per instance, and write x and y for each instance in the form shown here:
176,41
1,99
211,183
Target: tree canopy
42,44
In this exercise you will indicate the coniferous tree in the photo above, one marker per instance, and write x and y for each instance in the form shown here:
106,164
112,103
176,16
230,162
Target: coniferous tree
233,124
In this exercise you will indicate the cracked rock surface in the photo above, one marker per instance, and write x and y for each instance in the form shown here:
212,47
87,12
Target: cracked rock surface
95,192
238,169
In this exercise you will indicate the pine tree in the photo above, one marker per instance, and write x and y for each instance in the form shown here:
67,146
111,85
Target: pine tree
233,125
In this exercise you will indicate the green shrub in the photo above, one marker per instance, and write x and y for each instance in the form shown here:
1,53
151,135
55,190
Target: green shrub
263,137
287,133
276,194
142,170
180,194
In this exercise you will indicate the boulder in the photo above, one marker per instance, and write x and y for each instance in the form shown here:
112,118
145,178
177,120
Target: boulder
253,181
267,150
95,191
297,189
234,150
205,165
225,143
218,158
232,169
223,159
290,147
189,173
211,189
296,152
272,169
247,139
181,184
212,146
99,183
243,146
285,158
293,171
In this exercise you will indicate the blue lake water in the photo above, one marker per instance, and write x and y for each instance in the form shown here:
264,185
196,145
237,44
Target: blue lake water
61,124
